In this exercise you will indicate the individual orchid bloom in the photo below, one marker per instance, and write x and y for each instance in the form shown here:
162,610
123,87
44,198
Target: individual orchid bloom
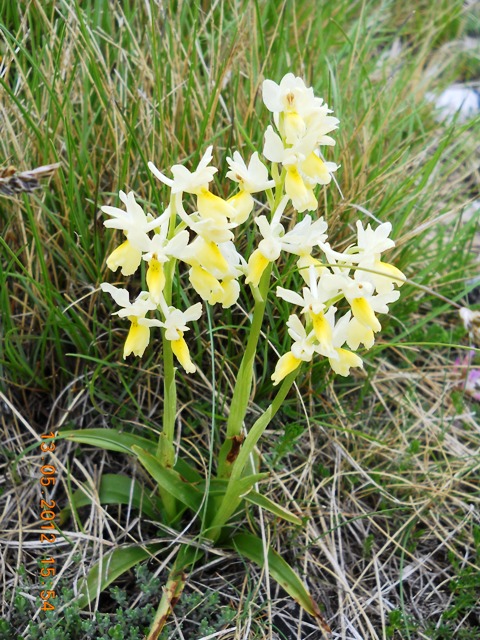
215,269
382,275
216,229
304,168
297,111
134,222
175,320
305,235
345,359
364,304
359,293
160,250
370,244
136,225
374,241
313,298
303,348
185,180
138,336
251,179
359,296
291,95
319,124
270,246
290,101
175,324
313,305
300,241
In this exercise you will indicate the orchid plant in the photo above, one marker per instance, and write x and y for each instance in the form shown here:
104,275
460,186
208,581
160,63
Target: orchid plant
335,313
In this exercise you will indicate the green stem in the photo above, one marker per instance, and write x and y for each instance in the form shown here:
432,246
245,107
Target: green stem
231,498
241,394
166,449
172,590
243,385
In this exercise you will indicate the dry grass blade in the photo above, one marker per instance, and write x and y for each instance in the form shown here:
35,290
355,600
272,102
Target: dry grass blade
12,181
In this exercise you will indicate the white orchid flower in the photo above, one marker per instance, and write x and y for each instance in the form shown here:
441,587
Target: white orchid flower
303,348
134,222
175,324
345,359
251,179
136,225
138,336
185,180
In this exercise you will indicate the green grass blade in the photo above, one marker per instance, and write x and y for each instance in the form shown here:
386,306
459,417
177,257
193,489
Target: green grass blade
252,548
109,439
253,497
112,566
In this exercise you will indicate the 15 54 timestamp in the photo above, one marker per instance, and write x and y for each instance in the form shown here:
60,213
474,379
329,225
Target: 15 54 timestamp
48,514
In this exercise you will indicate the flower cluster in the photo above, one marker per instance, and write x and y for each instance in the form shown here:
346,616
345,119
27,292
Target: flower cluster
204,241
214,264
302,122
357,276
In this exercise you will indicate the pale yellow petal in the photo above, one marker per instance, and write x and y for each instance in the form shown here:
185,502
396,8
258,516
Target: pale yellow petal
294,127
301,195
126,257
229,295
155,279
322,328
137,339
345,361
386,276
358,333
256,266
364,313
287,363
316,169
303,264
211,206
209,256
243,203
181,352
204,283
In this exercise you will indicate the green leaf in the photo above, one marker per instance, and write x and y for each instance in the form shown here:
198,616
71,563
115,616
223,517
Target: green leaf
111,566
169,480
187,471
252,548
269,505
109,439
115,489
243,486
